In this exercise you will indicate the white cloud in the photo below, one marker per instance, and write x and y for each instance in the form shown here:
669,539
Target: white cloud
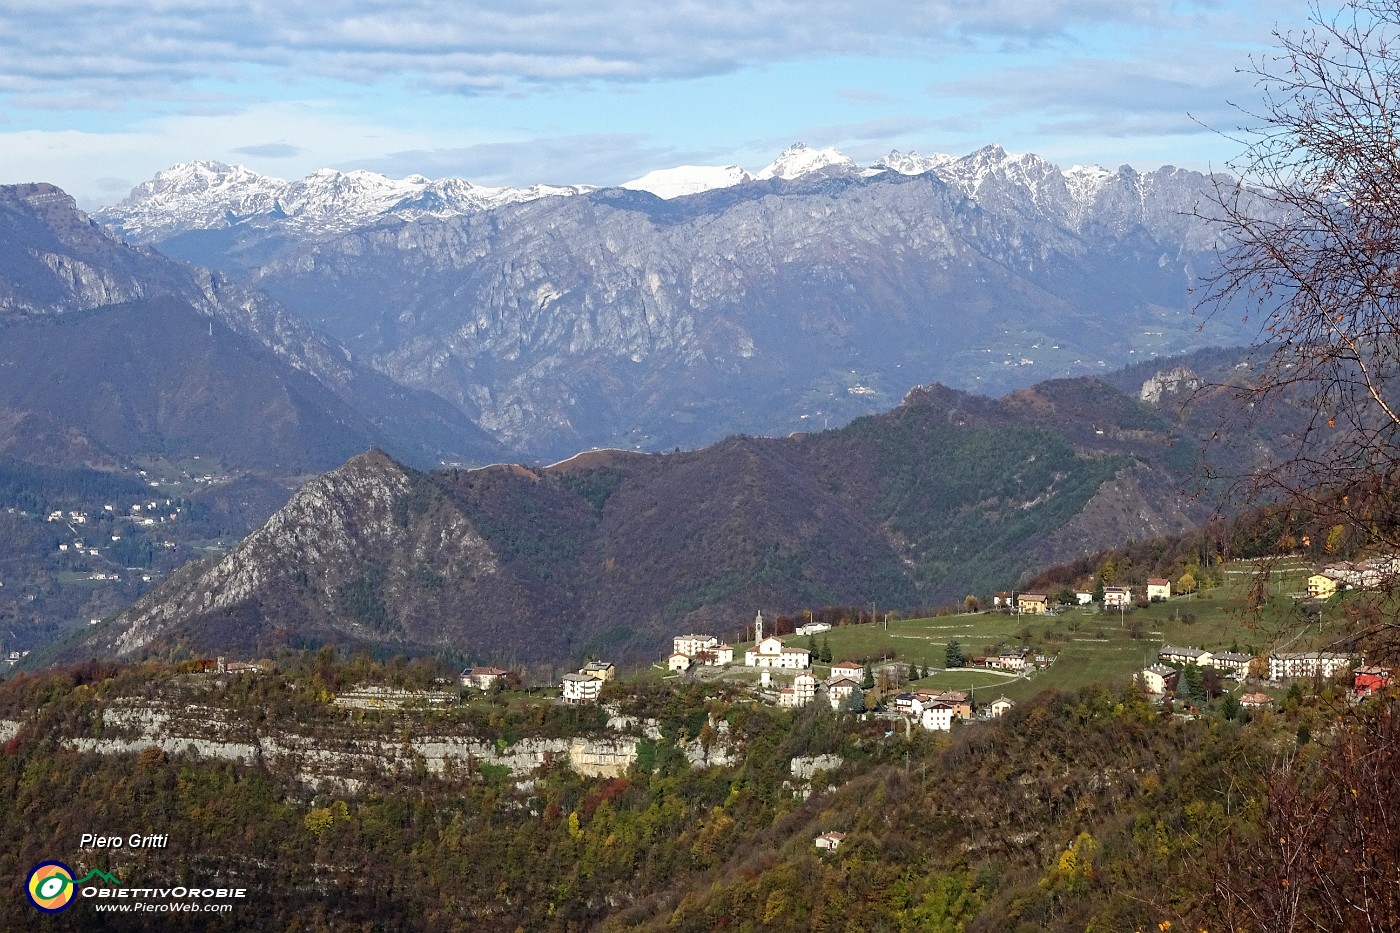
270,150
86,54
1176,90
523,91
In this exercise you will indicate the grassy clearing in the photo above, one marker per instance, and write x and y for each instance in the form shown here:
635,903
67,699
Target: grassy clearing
967,679
79,578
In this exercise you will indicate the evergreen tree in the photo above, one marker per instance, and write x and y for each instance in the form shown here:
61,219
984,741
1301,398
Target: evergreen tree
826,650
955,656
867,682
1294,696
1192,684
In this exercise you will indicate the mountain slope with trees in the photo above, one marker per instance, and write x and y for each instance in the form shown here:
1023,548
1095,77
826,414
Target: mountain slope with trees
612,552
1090,810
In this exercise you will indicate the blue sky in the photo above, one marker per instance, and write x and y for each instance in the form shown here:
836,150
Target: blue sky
98,95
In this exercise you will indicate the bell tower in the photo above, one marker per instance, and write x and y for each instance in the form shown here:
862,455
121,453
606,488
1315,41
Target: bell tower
758,627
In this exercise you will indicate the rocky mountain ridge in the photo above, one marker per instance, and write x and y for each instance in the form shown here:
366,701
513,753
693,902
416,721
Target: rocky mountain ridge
204,195
330,524
815,294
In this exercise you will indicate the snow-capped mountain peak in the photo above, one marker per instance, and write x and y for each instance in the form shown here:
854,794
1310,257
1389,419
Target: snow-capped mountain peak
208,195
682,180
202,194
993,172
800,159
201,175
1085,181
911,163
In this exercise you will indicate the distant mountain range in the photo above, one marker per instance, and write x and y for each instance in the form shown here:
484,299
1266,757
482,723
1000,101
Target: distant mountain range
208,195
710,300
204,195
112,352
614,552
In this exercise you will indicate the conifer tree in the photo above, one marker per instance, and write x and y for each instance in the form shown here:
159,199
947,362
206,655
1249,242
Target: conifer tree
955,656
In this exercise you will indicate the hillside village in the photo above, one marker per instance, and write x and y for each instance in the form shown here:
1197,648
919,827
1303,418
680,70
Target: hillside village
796,670
1194,649
146,515
929,685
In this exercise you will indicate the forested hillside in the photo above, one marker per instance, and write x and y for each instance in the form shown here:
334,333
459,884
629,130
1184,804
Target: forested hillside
1091,810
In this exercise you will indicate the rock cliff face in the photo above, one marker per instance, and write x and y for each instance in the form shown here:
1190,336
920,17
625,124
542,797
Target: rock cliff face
341,758
57,260
1172,382
812,294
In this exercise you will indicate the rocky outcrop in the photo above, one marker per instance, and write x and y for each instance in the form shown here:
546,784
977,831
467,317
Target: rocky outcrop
602,757
1177,381
342,756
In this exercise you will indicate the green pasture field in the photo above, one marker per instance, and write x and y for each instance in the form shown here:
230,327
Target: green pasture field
1094,646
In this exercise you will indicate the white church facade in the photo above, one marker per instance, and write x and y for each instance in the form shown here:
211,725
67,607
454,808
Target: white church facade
770,652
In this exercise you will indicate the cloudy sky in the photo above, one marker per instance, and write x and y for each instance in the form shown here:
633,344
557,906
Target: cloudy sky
98,95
